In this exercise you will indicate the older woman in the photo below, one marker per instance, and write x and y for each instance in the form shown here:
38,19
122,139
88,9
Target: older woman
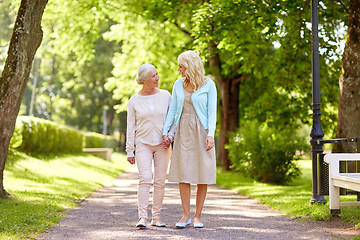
193,112
146,114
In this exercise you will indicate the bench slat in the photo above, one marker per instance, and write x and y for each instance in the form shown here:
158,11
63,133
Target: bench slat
104,153
97,149
346,182
349,204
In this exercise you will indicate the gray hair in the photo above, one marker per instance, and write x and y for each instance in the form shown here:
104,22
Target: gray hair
143,72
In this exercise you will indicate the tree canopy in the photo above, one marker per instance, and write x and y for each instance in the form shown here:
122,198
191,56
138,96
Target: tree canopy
262,49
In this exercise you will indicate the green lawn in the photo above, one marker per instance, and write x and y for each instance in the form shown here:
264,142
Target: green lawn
42,188
292,199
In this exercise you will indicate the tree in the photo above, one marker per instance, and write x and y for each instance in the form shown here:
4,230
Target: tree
257,50
171,17
25,40
349,99
236,40
78,58
225,32
76,62
140,43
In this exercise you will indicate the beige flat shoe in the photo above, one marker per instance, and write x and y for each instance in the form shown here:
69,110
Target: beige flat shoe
184,224
198,225
158,224
141,224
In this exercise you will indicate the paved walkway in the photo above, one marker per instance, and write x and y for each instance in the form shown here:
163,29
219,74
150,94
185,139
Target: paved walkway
111,213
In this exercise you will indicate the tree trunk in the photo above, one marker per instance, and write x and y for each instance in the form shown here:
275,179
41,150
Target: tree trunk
349,97
229,107
229,116
25,40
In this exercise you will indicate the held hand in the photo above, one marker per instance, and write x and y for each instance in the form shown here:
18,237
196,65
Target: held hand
166,141
209,143
131,160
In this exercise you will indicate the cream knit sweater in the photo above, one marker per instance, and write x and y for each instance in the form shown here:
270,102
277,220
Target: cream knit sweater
145,119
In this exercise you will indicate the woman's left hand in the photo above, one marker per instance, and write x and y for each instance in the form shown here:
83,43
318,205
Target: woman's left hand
209,143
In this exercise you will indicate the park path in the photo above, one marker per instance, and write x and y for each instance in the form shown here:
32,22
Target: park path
111,213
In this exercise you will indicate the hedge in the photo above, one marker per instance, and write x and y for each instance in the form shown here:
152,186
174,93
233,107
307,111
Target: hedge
35,135
97,140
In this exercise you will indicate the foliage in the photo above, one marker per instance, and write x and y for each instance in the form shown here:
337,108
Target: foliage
96,140
100,44
73,91
140,43
241,50
44,189
7,18
265,153
17,138
89,59
75,63
268,42
34,135
292,60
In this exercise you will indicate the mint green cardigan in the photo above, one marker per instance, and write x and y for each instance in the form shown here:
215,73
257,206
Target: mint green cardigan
204,100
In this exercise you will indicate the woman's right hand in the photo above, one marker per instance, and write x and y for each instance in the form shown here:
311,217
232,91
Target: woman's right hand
209,143
131,160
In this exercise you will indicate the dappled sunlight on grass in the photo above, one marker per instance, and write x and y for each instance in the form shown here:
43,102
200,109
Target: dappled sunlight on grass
42,188
293,199
23,217
351,214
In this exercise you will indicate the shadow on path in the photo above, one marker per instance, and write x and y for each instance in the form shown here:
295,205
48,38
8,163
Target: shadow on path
111,213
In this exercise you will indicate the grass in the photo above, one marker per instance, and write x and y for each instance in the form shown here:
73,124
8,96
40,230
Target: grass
42,188
292,199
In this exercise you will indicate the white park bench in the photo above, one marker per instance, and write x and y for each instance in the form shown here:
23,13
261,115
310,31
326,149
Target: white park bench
339,180
104,153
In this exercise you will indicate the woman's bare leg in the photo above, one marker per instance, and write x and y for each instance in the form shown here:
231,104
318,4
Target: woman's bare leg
200,199
185,191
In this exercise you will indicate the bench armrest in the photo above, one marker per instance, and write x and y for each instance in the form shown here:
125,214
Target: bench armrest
333,159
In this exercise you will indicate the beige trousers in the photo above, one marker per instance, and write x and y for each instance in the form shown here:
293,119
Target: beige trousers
146,157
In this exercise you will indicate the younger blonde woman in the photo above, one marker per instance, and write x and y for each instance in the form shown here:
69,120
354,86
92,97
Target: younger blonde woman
193,112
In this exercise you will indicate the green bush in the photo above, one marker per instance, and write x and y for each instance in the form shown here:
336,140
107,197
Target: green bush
37,135
264,153
17,138
97,140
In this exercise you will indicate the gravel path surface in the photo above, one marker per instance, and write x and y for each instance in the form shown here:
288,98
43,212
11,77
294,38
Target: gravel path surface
111,213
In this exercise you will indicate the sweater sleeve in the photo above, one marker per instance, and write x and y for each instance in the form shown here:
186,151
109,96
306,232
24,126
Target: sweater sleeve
212,102
170,117
130,130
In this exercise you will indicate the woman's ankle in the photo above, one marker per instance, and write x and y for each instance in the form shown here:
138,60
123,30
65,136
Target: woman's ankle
185,218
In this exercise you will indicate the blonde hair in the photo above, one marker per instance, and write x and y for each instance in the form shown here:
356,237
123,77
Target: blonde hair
143,72
195,72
